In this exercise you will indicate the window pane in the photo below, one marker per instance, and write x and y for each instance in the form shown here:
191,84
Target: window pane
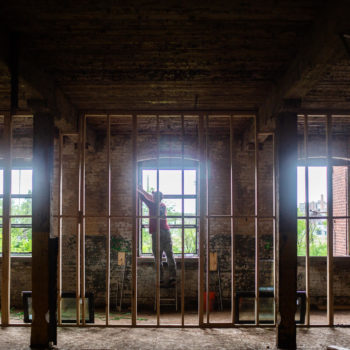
301,237
170,181
190,181
190,221
173,206
318,191
190,241
146,241
1,181
21,181
21,240
1,205
190,206
21,206
149,180
176,239
175,221
301,191
318,237
145,210
21,221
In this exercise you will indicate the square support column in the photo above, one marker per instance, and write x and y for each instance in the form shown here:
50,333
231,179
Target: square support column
286,133
43,143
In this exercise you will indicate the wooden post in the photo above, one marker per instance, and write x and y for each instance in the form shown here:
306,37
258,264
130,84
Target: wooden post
207,220
256,224
307,221
203,207
274,227
42,174
134,226
182,222
158,257
233,246
330,296
6,240
108,207
59,227
287,228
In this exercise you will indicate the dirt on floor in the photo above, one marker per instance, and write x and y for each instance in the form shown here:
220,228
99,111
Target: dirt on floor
69,338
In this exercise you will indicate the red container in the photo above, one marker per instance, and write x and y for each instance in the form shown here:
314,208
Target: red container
211,301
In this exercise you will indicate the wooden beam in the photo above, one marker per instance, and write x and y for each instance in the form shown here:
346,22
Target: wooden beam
319,50
42,174
24,66
286,134
6,240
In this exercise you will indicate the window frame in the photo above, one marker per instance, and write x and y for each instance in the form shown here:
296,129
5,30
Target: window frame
15,216
170,163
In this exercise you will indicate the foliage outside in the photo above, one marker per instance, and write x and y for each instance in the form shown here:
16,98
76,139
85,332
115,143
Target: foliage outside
318,243
21,237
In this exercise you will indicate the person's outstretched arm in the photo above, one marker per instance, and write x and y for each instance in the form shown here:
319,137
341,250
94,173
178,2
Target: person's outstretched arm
145,196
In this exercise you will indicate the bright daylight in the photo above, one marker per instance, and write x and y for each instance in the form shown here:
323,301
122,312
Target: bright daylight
170,184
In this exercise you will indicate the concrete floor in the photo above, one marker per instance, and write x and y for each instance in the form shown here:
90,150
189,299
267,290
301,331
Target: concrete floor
17,338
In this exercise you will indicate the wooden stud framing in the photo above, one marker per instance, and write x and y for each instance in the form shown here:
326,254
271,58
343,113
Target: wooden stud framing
134,226
108,206
274,226
82,232
330,296
6,241
233,241
208,219
59,229
203,207
307,220
158,257
256,225
182,221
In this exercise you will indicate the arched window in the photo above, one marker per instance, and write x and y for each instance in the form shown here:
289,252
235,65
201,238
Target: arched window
178,181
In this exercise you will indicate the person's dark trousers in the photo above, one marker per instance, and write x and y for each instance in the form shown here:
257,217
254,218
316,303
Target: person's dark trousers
166,246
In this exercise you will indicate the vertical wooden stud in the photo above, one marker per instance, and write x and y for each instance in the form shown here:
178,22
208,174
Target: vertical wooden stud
108,207
330,293
59,228
6,231
233,242
182,222
307,221
203,207
256,224
274,226
158,257
134,226
208,219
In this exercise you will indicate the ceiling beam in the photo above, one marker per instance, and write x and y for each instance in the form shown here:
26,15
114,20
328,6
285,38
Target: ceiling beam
321,48
38,79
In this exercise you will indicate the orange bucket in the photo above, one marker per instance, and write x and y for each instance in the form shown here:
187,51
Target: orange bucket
211,301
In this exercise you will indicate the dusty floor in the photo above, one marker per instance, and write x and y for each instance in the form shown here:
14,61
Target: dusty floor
17,338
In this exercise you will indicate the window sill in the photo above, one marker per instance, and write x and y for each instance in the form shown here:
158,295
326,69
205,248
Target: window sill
150,259
19,257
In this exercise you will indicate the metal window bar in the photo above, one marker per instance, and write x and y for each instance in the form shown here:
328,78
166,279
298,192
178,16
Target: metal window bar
207,219
183,221
108,207
158,231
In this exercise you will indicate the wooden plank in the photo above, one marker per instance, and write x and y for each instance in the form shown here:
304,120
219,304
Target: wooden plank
207,250
59,228
233,240
330,292
134,226
6,240
43,145
256,226
307,214
158,232
108,236
274,226
182,221
286,134
82,231
203,208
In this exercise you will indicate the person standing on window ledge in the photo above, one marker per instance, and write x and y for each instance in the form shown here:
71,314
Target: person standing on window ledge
152,201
